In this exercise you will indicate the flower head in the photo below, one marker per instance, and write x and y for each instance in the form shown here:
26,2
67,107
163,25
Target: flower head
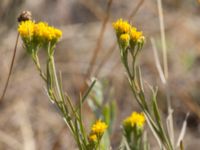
39,30
48,33
128,36
121,26
135,119
99,128
92,138
136,35
24,16
26,29
124,40
36,35
125,37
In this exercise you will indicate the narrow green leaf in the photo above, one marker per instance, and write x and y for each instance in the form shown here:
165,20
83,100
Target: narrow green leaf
88,91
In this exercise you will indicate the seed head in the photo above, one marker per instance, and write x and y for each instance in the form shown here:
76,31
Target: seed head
24,16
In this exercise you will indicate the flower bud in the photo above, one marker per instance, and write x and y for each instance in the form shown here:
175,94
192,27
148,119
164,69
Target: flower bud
124,40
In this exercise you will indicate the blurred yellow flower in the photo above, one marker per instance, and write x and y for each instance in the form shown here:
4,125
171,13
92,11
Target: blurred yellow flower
39,30
43,30
93,138
26,29
99,128
121,26
135,119
136,35
126,32
125,37
124,40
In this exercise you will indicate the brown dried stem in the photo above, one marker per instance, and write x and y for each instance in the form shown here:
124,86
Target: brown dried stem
11,67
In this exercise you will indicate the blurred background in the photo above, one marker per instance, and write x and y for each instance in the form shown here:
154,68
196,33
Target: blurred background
28,121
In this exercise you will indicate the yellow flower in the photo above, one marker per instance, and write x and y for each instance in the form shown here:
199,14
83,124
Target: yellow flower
125,37
135,35
92,138
40,28
26,29
43,30
124,40
99,127
135,119
121,26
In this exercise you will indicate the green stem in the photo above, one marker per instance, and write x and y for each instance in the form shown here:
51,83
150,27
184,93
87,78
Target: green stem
37,63
52,64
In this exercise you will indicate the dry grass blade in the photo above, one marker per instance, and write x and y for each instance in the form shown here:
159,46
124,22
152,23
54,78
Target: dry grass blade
183,131
170,127
157,61
163,40
94,8
154,133
169,120
11,67
99,41
136,9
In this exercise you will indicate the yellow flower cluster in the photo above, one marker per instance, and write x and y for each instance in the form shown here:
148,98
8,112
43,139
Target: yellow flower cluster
26,29
99,128
93,138
41,30
123,29
134,119
136,35
121,26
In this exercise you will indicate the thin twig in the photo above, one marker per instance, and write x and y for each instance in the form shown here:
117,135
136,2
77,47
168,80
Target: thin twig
94,8
132,14
11,67
99,41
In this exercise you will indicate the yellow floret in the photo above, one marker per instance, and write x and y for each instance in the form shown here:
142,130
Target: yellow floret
26,29
135,35
99,127
93,138
42,30
121,26
125,37
135,119
58,33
